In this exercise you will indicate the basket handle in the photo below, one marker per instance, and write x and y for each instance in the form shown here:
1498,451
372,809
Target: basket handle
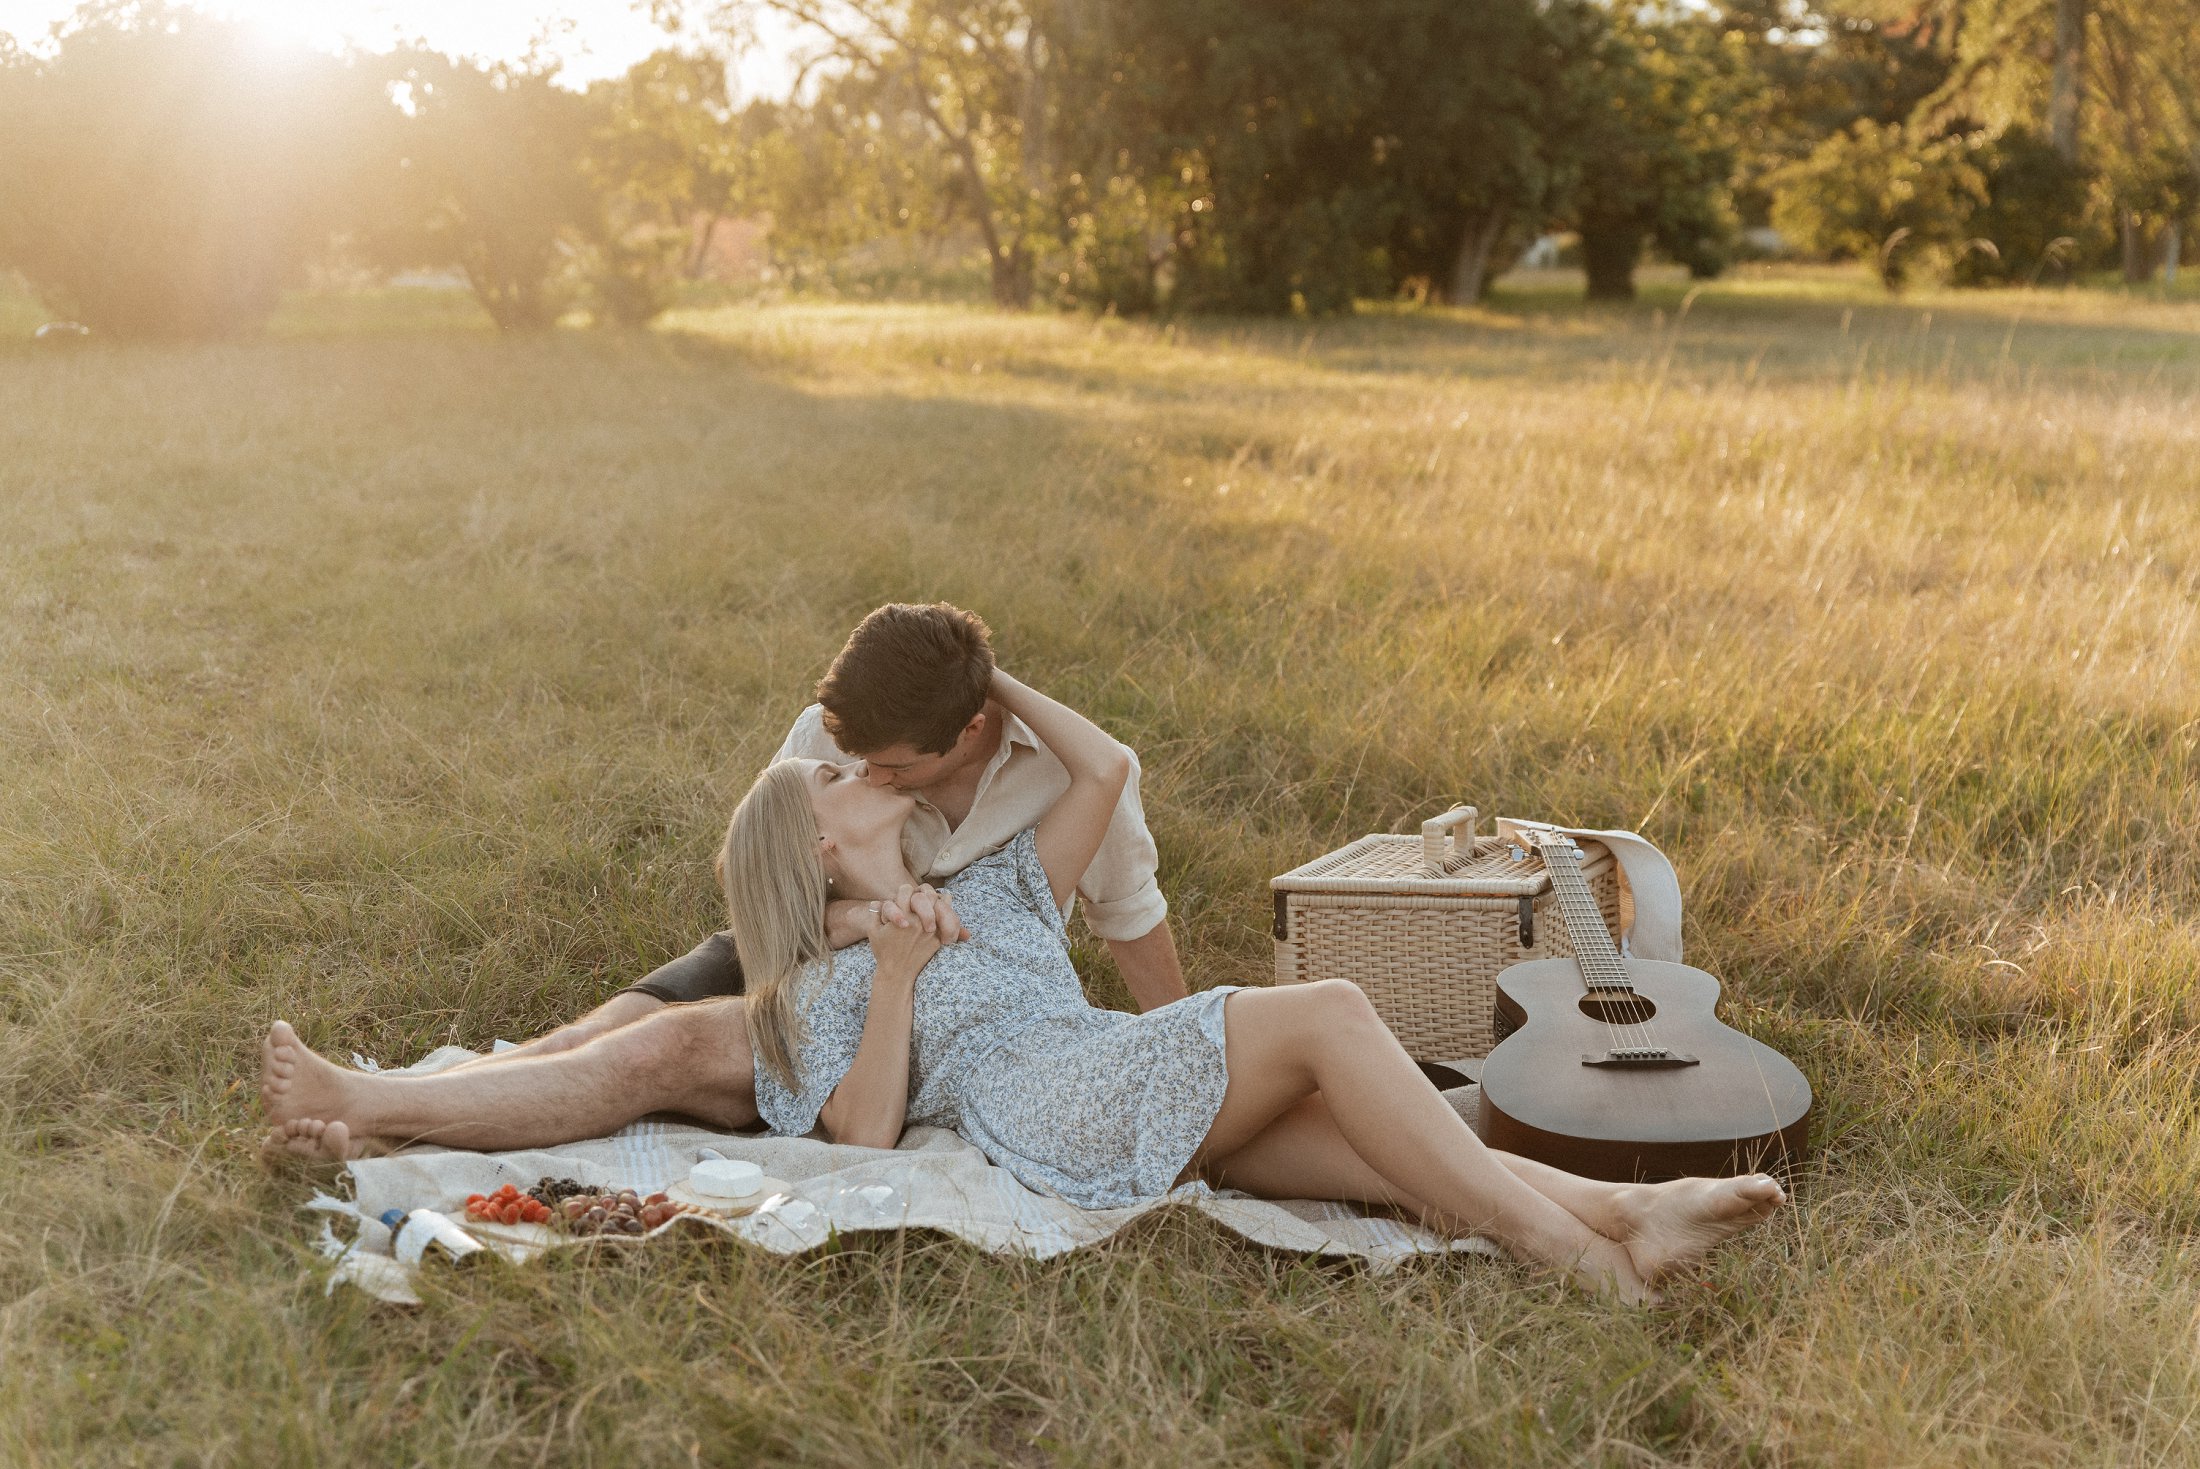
1442,842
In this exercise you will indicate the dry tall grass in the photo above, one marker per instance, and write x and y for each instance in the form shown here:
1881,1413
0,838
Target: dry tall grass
399,683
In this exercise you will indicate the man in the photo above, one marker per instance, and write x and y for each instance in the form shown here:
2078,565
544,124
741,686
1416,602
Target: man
907,696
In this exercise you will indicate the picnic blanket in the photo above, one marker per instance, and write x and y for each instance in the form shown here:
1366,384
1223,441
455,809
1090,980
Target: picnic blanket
934,1180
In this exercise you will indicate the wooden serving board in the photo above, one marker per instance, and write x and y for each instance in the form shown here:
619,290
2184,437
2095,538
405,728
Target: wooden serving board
531,1236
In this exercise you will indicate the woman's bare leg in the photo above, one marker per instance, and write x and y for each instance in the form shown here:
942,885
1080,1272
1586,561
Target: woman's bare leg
1314,1146
1302,1155
1287,1043
1662,1226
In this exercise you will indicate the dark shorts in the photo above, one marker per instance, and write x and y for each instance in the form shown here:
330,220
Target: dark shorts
709,971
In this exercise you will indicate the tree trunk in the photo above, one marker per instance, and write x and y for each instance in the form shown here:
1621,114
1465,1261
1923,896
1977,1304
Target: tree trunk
2172,242
2066,86
1034,145
700,254
1012,281
2138,258
1610,253
1470,270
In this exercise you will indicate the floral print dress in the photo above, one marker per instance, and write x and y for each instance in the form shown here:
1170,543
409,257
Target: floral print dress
1098,1107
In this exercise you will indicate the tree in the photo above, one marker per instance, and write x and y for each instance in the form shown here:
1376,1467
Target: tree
1807,73
1476,154
2068,80
2030,192
1874,192
1295,155
1268,115
853,167
2109,84
978,72
664,161
2148,136
165,175
1655,161
486,169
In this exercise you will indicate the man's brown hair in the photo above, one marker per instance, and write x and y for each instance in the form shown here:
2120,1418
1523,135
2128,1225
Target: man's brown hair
911,675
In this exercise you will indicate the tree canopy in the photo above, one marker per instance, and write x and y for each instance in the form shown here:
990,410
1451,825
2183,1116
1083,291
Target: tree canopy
163,173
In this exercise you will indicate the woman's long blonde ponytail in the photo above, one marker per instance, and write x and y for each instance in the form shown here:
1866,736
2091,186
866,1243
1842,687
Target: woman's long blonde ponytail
775,887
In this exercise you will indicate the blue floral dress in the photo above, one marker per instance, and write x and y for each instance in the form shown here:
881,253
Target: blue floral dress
1099,1107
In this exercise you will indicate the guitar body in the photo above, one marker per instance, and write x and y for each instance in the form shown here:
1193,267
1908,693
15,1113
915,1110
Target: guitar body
1722,1104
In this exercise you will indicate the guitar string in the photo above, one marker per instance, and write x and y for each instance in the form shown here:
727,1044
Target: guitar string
1554,858
1548,847
1635,1011
1556,854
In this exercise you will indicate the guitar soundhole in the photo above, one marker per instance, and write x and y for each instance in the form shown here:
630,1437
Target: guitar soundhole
1627,1009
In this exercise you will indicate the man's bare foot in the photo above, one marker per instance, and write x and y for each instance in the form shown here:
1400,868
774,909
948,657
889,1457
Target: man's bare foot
295,1083
310,1140
1673,1225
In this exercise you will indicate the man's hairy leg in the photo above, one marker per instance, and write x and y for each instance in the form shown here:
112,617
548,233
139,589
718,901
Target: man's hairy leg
623,1008
692,1059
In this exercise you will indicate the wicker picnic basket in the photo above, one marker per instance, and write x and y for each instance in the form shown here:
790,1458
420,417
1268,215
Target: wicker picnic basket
1424,924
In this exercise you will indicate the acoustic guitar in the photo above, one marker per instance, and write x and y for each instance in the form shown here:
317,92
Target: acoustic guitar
1617,1068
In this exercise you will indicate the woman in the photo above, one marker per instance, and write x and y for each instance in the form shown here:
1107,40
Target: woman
1292,1092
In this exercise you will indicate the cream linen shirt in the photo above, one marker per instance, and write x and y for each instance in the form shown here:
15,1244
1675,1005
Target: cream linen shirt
1122,898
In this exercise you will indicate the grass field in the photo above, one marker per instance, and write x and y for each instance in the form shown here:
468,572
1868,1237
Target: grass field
397,679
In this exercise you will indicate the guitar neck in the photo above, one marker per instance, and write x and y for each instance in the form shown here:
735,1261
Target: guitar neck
1599,961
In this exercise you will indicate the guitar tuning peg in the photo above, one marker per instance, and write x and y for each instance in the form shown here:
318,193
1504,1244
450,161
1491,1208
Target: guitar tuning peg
1517,854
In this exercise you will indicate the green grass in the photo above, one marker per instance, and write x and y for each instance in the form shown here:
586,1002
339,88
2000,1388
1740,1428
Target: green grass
396,678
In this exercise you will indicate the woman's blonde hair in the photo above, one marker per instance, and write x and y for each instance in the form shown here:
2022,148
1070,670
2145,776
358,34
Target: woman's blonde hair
776,891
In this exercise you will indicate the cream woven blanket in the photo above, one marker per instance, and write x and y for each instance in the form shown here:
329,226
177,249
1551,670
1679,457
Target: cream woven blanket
933,1180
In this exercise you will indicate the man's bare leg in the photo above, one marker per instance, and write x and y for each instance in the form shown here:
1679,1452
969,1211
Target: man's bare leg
692,1059
623,1008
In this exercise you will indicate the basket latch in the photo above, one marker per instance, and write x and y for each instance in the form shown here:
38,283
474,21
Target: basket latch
1527,922
1282,929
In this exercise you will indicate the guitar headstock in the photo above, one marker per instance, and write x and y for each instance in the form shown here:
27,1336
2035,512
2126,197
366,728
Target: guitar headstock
1537,836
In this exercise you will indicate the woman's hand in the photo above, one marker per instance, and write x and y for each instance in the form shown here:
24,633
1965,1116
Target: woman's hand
911,929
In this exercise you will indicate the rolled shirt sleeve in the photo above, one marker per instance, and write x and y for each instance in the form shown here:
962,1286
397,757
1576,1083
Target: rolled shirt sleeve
1122,889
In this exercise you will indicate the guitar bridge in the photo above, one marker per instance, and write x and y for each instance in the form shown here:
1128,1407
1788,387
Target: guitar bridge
1640,1058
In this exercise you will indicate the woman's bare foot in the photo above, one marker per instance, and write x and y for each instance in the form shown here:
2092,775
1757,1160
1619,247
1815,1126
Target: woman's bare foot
1673,1225
1608,1269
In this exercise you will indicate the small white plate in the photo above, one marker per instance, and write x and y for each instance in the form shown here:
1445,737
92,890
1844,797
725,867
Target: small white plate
681,1193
